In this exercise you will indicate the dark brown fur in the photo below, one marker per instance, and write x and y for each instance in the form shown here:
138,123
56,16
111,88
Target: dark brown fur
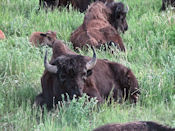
166,3
49,4
135,126
81,5
105,78
100,26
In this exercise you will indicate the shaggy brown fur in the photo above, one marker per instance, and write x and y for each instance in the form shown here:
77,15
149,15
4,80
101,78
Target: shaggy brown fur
166,3
2,36
106,79
101,25
135,126
59,48
38,38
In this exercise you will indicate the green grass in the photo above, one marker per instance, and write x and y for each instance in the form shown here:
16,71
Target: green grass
150,43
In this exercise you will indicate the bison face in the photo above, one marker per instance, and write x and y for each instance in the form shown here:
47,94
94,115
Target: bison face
119,17
72,80
48,38
72,72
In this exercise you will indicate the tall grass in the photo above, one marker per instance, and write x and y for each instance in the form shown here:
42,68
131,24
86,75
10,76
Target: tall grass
150,43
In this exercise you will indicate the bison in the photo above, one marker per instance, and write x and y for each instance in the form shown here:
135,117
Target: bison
73,74
49,4
166,3
2,36
39,38
135,126
102,24
81,5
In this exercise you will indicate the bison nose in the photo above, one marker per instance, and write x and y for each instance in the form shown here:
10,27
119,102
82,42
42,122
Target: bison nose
79,93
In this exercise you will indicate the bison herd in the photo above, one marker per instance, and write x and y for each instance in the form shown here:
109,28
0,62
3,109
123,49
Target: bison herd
71,74
74,74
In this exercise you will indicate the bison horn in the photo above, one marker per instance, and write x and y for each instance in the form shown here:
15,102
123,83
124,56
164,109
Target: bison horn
126,9
50,68
90,65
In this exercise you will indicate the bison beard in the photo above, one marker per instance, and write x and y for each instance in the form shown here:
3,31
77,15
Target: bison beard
101,25
135,126
76,74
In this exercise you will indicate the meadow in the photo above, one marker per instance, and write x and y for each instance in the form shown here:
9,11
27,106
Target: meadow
150,44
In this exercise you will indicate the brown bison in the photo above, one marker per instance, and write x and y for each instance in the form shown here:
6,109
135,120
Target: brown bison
2,36
166,3
73,74
81,5
39,38
135,126
49,4
101,25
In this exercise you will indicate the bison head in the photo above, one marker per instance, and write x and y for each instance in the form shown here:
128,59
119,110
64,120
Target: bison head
71,71
49,38
118,18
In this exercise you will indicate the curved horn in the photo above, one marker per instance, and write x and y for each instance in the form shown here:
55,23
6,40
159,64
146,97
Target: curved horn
50,68
90,65
126,9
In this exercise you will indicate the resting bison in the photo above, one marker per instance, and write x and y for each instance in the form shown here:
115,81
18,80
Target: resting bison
49,4
39,38
81,5
2,36
166,3
101,25
76,74
135,126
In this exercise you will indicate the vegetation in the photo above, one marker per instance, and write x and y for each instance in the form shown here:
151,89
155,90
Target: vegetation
150,43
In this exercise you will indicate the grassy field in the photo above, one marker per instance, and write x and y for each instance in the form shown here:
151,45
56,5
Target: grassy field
150,43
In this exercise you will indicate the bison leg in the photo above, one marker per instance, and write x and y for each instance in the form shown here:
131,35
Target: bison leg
163,5
134,95
113,36
118,40
39,100
92,92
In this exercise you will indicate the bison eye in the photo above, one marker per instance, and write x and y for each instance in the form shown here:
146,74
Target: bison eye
49,37
62,76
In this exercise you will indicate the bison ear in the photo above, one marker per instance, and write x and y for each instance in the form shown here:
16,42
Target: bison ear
43,34
89,72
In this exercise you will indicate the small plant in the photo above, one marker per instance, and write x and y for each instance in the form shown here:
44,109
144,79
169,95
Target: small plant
77,110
